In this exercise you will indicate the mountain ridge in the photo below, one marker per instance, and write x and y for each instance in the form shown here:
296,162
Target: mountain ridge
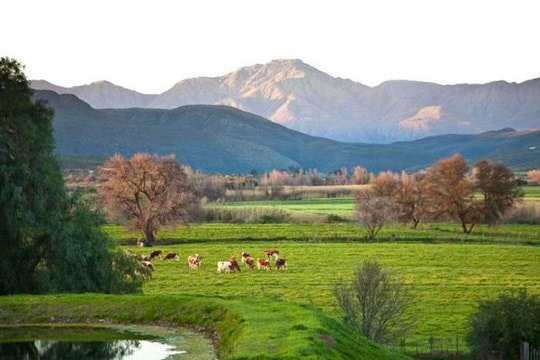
296,94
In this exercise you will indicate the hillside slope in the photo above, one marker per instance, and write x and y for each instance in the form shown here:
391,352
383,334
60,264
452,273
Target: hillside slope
211,138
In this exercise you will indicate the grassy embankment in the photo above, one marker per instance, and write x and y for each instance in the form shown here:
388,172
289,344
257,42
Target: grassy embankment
247,328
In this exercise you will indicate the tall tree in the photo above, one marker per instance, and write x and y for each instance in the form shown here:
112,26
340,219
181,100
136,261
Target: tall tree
49,241
150,191
498,186
449,191
411,199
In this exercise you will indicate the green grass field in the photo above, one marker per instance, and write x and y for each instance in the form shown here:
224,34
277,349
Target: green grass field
340,206
428,233
446,279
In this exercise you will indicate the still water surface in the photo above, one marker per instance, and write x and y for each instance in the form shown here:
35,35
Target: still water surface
71,343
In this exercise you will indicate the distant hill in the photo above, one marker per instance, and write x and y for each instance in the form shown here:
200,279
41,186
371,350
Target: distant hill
518,149
303,98
211,138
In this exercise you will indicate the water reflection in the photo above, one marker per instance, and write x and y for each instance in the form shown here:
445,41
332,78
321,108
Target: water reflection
102,350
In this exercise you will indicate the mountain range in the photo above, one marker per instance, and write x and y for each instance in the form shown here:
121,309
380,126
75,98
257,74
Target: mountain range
218,138
303,98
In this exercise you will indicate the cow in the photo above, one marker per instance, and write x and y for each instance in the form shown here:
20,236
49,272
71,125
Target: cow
148,265
194,261
263,263
281,264
139,257
250,263
172,256
272,253
245,256
223,266
155,254
234,267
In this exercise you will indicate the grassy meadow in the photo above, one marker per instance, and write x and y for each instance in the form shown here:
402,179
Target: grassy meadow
292,313
445,279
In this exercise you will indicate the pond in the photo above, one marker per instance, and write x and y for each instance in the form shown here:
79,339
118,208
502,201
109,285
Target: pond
102,342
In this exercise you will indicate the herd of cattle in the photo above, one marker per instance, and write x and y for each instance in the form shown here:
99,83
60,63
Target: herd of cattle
194,261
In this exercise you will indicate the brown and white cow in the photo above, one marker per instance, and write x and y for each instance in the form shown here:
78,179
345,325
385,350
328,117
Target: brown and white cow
281,264
245,256
233,265
155,254
194,261
172,256
263,263
250,263
272,253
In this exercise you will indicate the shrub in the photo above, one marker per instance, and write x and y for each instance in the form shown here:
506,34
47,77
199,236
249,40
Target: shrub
498,326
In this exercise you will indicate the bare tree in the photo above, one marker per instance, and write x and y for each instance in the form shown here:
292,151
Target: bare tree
449,192
411,199
150,191
499,188
375,303
360,175
386,184
373,211
533,177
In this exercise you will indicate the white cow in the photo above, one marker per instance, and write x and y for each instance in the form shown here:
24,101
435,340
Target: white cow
224,266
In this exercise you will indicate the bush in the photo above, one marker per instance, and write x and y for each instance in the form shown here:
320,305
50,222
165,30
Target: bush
525,213
257,215
498,326
375,303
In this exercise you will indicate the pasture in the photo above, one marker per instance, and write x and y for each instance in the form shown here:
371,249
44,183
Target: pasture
445,279
339,206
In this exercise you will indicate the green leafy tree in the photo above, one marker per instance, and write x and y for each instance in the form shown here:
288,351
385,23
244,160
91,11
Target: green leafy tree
498,326
40,227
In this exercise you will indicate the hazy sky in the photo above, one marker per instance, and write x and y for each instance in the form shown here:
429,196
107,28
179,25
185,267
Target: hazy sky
150,45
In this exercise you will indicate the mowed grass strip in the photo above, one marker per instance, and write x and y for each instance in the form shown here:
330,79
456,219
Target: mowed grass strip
247,328
446,279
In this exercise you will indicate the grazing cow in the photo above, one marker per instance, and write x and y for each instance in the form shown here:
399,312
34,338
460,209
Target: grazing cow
194,261
172,256
223,266
148,265
263,263
272,253
250,263
155,254
245,256
281,264
234,265
142,258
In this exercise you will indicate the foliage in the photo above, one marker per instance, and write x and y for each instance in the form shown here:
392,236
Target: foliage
450,192
49,242
533,177
498,326
375,303
499,188
374,211
150,191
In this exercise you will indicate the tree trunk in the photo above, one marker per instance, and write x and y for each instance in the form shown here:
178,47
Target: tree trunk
149,236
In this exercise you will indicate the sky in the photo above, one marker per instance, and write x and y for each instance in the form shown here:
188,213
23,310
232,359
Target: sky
150,45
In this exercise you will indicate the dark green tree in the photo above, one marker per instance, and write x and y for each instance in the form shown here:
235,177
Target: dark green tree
498,326
40,227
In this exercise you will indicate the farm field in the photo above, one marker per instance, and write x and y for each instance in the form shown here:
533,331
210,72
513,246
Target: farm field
332,232
445,279
340,206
